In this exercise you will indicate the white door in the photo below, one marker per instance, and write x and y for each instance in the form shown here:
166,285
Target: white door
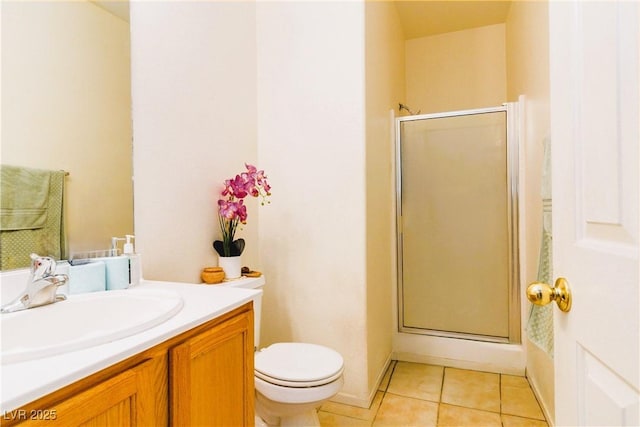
594,50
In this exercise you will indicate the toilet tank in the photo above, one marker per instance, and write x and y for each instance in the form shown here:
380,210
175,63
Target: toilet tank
251,283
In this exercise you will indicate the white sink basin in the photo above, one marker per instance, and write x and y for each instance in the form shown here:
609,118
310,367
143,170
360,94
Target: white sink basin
83,321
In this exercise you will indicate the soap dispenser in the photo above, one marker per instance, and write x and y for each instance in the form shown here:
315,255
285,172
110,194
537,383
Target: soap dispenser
114,245
134,260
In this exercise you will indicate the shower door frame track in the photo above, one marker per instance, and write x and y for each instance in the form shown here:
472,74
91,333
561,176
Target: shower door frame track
513,167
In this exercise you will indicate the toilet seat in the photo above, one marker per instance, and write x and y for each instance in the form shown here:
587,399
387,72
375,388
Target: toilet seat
298,365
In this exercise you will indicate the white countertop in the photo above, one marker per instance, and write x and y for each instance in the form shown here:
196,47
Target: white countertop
26,381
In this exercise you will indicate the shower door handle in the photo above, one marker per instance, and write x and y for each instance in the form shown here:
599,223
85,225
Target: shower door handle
541,293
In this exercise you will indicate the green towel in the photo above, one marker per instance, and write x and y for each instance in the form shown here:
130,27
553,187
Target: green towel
21,192
540,325
24,198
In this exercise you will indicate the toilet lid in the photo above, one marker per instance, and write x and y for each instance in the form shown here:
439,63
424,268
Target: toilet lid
298,364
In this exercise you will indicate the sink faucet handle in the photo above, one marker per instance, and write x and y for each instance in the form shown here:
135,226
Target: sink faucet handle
42,266
41,288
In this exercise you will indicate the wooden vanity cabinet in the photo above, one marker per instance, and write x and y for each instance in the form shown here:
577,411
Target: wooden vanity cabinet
125,399
211,376
203,377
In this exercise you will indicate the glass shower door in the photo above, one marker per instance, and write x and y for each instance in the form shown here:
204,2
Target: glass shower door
455,227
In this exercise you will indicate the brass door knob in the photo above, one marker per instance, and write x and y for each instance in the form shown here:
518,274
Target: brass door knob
541,293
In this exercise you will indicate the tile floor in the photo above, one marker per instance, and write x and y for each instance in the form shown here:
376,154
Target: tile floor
414,394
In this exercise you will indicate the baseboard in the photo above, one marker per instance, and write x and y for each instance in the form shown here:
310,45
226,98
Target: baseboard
541,377
378,381
534,387
350,399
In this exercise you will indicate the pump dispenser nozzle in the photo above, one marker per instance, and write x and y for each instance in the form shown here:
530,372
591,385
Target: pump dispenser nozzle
135,272
128,247
114,245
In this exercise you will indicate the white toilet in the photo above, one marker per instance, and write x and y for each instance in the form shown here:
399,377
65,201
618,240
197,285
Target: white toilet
292,379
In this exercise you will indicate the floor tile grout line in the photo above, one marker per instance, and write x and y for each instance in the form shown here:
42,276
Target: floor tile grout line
500,393
439,402
384,392
439,405
444,372
393,369
476,409
544,416
535,396
348,416
413,397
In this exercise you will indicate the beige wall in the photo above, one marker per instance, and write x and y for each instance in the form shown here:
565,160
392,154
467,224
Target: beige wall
385,84
283,92
66,105
311,140
194,122
528,75
457,71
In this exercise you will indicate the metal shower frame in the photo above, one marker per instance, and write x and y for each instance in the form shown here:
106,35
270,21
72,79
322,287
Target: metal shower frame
513,167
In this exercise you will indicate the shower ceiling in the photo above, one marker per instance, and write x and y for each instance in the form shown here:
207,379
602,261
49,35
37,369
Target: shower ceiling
422,18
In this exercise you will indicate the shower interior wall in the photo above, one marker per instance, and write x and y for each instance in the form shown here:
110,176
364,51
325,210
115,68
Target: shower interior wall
460,70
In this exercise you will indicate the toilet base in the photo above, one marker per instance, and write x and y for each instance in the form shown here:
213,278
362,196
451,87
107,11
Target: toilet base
289,415
260,422
307,419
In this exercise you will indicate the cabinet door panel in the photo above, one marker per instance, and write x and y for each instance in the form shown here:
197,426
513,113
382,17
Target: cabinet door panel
119,414
212,376
122,400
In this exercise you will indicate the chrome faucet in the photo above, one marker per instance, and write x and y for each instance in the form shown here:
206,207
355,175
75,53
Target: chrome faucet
41,288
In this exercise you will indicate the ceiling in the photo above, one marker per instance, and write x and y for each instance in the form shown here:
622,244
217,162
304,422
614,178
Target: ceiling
120,8
421,18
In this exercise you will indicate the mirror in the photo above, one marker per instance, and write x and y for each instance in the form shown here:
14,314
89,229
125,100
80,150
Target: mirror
66,104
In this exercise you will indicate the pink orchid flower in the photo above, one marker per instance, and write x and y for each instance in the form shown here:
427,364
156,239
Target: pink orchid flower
231,208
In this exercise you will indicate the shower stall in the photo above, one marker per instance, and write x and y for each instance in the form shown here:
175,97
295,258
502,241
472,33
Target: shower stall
457,224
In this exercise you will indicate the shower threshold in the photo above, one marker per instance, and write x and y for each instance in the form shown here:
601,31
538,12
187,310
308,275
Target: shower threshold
456,335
